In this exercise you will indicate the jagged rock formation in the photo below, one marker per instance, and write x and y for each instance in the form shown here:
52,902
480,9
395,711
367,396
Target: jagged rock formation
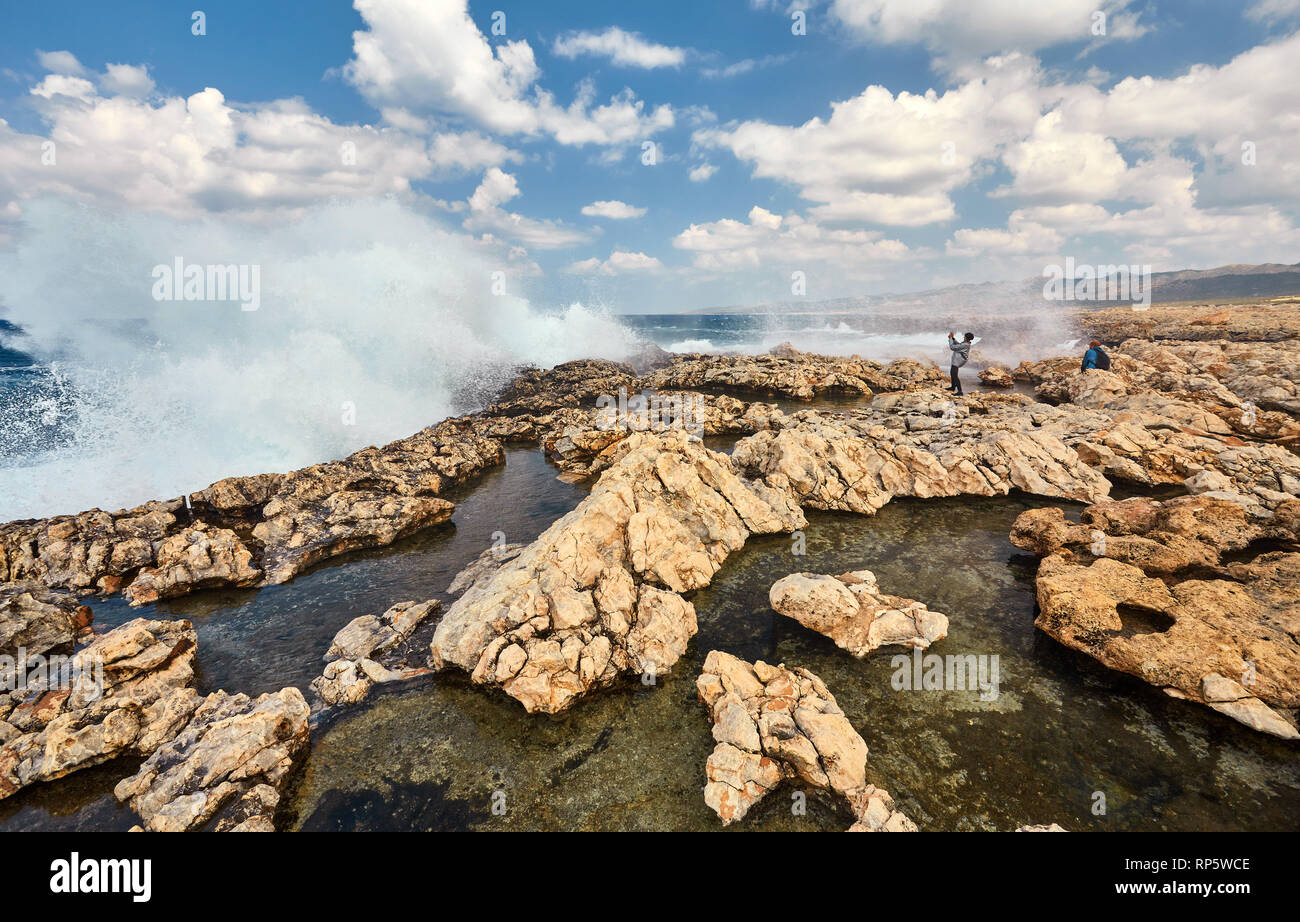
373,650
795,374
581,442
1052,827
918,444
253,530
1144,587
127,691
598,593
851,610
771,724
39,621
226,765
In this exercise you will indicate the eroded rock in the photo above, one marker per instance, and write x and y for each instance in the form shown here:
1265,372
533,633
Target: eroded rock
127,691
374,650
227,765
851,610
771,724
598,593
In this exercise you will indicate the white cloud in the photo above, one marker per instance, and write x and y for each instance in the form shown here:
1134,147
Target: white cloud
769,239
702,172
431,57
487,217
190,156
615,210
1274,10
959,30
60,62
620,262
892,159
126,80
745,66
626,49
1058,164
469,152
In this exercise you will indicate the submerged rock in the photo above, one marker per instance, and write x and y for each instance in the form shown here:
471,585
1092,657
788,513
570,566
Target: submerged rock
771,724
851,610
598,593
1053,827
370,651
227,764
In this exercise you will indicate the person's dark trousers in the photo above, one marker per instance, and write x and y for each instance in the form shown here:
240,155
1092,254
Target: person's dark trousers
956,382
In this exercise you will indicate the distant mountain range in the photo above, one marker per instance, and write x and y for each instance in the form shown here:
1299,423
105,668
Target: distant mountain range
1226,283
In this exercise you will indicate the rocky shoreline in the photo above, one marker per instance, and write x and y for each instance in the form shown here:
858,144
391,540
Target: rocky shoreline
1195,594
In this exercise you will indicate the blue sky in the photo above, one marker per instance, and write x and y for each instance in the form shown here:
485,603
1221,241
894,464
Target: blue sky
969,141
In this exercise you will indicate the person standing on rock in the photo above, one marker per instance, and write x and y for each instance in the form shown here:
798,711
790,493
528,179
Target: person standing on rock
960,353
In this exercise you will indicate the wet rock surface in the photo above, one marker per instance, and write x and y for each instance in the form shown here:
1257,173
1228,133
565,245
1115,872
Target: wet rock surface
373,650
127,691
851,610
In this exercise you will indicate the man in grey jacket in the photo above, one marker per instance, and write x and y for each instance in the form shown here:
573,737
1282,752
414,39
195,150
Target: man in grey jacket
960,353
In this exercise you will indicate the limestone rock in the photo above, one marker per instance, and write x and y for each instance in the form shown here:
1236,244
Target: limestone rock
195,558
598,593
483,566
39,620
234,753
125,692
996,376
370,651
772,723
792,373
851,610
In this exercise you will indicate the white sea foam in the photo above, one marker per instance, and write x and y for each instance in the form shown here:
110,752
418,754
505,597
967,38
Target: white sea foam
371,305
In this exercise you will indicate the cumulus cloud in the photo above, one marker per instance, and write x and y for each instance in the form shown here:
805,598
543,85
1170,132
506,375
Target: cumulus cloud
430,57
620,262
186,156
486,216
958,30
615,210
892,159
626,49
770,239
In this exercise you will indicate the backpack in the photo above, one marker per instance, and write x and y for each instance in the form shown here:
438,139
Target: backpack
1103,360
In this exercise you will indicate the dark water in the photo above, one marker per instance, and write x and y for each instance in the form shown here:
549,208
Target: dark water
1061,730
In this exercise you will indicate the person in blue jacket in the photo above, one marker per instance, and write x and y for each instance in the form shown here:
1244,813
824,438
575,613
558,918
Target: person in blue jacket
1095,357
